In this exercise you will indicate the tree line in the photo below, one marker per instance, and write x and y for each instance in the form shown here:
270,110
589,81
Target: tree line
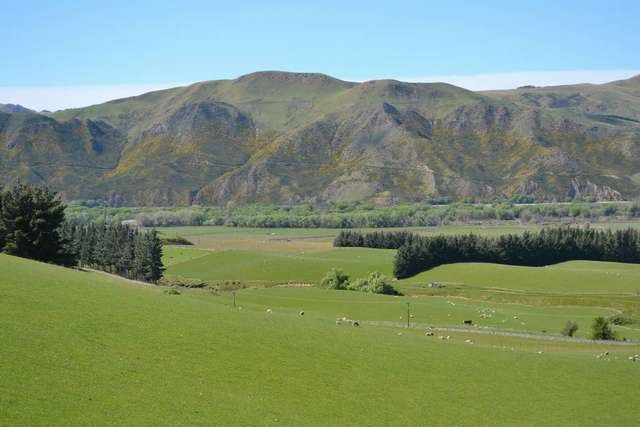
352,215
33,225
115,248
376,239
549,246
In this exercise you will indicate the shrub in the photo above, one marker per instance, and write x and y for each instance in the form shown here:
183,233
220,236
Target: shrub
182,282
375,283
619,319
360,285
378,284
570,328
172,291
335,279
601,330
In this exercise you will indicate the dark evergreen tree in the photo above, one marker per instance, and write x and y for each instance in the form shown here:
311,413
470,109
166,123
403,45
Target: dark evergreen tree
154,248
31,219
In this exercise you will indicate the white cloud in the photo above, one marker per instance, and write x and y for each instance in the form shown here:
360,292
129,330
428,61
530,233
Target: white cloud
60,97
535,78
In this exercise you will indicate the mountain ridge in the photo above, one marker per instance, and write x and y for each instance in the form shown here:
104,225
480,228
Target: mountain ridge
281,137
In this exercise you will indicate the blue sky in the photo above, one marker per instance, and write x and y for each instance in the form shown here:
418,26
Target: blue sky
125,46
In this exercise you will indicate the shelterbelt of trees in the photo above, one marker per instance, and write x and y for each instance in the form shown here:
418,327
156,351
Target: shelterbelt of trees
548,246
352,214
33,225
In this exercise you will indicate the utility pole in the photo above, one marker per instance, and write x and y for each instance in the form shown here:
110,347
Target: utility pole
408,314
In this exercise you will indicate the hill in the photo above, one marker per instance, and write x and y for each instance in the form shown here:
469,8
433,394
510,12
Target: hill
14,108
83,348
277,137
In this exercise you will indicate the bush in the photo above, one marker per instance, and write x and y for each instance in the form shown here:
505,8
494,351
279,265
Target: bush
570,328
378,284
360,285
620,320
375,283
335,279
182,282
172,291
601,330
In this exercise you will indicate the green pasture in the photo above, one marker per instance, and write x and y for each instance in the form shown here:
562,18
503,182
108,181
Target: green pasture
271,267
573,277
427,311
80,348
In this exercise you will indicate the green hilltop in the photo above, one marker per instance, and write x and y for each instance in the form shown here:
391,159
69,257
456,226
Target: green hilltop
278,137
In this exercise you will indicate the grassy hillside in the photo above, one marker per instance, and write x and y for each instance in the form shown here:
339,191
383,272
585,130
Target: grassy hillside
573,277
278,137
81,348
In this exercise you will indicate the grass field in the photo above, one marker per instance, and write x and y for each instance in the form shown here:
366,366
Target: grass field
573,277
574,290
83,348
273,267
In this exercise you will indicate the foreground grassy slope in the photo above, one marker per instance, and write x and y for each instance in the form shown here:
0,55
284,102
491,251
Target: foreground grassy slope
81,348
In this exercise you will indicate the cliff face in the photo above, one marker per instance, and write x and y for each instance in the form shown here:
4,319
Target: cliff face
277,137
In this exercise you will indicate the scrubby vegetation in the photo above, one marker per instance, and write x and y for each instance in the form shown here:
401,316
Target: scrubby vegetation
335,279
570,328
355,214
601,330
375,283
549,246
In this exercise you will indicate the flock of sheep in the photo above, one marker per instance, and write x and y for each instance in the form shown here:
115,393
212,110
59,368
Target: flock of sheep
429,333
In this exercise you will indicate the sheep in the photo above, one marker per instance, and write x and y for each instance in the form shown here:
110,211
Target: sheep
469,341
302,313
269,311
355,323
428,334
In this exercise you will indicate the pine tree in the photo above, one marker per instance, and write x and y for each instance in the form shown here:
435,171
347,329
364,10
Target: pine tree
30,223
154,248
140,258
87,243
